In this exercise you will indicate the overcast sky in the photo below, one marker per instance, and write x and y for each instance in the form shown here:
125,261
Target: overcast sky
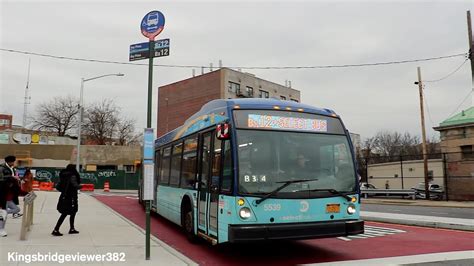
259,33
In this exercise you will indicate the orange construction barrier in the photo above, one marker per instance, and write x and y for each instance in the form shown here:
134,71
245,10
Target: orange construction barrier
106,186
87,187
36,185
46,186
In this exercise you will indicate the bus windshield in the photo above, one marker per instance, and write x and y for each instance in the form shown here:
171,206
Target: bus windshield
268,158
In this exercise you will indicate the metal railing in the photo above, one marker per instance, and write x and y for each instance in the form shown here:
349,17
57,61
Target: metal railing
388,192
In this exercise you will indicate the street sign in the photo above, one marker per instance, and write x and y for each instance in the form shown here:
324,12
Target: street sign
152,24
148,166
140,51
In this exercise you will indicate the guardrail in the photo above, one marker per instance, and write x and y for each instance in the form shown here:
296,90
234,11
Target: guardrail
388,192
27,219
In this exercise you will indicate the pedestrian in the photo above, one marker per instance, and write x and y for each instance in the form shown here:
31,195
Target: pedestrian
27,181
69,183
7,183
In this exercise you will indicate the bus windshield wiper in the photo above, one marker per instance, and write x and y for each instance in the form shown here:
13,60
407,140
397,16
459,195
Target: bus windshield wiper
285,184
332,191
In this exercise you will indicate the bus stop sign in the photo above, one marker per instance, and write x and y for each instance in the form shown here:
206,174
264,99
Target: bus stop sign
152,24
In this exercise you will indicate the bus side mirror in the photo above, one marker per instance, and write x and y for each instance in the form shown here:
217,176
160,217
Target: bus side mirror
223,131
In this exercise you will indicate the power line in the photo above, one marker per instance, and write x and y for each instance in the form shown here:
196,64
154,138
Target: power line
467,96
450,74
236,67
428,108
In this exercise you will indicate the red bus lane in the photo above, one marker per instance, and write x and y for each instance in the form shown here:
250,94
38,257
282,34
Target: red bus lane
380,240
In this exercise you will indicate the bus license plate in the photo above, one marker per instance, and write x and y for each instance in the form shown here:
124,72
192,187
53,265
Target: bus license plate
332,208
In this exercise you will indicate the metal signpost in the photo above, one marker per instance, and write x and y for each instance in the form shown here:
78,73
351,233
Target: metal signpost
152,24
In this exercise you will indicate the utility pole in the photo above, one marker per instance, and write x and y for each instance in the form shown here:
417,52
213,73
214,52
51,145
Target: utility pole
471,45
423,135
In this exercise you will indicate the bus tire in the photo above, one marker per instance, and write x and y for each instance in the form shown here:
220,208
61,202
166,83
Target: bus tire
188,224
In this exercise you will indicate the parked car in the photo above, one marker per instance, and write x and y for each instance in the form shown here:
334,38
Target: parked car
436,191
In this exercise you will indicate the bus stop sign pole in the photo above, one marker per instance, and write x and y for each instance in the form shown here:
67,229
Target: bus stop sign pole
152,24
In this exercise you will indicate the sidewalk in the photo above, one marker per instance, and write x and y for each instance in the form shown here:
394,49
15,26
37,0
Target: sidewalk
419,220
419,202
101,231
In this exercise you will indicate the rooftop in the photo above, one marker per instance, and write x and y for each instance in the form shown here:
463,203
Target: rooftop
464,117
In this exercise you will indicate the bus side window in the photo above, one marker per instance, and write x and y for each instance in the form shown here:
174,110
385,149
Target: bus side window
226,183
157,166
188,176
165,167
176,164
216,162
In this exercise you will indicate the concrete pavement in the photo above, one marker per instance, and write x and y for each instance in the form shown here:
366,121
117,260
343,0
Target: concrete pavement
419,220
102,232
420,202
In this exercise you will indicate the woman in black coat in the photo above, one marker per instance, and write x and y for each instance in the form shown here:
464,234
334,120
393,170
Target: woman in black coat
69,183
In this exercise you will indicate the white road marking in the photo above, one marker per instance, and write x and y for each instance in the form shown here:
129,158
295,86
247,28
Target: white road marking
424,258
373,231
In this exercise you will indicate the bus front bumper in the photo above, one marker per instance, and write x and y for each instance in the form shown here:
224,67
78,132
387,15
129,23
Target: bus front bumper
245,233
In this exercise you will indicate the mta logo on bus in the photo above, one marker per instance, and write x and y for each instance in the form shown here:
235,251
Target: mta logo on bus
222,131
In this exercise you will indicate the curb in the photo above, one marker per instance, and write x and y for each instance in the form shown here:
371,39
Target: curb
420,203
167,247
443,225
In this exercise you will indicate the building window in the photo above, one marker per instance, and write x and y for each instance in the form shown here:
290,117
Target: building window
283,98
249,91
264,94
467,152
234,87
294,100
4,122
129,168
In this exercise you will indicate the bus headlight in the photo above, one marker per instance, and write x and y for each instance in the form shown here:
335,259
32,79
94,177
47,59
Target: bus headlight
245,213
351,209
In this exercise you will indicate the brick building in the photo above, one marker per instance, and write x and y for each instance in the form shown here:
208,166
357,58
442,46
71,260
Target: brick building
5,121
179,100
457,142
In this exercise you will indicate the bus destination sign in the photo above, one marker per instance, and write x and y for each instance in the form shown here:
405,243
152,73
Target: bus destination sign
286,123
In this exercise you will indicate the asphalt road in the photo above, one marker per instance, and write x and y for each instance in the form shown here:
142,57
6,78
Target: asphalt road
379,241
464,213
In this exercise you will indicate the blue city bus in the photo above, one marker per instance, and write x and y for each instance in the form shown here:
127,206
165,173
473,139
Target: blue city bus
244,170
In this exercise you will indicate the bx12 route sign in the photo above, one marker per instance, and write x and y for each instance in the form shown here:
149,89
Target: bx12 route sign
140,51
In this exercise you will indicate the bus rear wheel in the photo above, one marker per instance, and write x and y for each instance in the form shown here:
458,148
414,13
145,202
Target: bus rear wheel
188,225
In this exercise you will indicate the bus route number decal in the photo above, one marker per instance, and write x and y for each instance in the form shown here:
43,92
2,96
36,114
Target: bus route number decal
271,207
254,178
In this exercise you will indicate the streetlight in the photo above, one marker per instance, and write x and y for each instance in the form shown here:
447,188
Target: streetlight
81,111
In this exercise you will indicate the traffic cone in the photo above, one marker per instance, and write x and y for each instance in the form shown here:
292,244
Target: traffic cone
36,185
106,186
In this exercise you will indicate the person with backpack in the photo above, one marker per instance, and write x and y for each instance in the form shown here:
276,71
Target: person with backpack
69,183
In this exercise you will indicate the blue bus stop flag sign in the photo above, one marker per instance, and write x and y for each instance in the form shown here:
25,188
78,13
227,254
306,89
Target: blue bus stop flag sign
152,24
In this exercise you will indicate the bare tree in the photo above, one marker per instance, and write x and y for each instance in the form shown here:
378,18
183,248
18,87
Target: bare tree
125,131
101,121
59,115
395,144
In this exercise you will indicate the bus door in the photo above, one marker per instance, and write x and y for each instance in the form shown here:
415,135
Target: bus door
214,186
203,180
209,184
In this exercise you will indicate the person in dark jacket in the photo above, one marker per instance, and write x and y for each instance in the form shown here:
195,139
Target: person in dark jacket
69,183
7,181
